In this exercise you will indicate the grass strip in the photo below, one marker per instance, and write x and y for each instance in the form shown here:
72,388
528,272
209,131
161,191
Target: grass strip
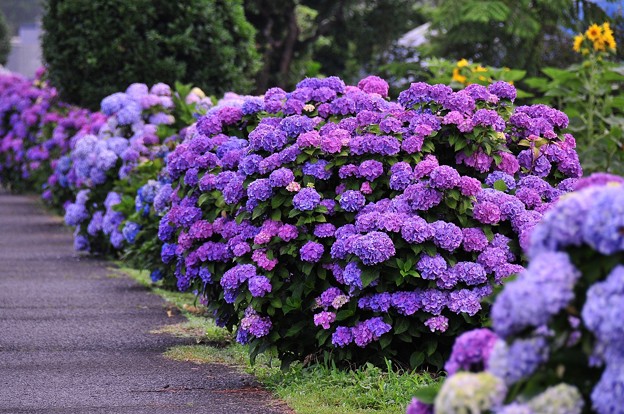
315,389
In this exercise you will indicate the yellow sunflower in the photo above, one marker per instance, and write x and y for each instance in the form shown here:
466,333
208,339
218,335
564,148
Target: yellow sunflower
458,77
594,32
578,41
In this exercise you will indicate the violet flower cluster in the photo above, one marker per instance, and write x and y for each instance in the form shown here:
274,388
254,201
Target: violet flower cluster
557,326
335,188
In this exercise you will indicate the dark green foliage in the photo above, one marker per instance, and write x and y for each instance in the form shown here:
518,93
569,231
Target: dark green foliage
96,47
5,40
329,37
523,34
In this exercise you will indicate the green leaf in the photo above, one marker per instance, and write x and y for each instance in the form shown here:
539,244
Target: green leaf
202,199
385,341
258,211
276,215
416,360
500,185
431,347
402,325
429,393
295,329
277,201
369,275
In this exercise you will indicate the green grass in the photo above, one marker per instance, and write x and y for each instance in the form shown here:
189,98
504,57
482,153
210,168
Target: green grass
315,389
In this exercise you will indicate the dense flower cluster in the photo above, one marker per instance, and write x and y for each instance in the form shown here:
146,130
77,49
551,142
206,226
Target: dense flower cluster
366,218
569,338
36,131
328,218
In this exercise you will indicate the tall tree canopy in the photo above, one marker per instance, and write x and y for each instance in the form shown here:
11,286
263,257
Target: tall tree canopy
333,37
526,34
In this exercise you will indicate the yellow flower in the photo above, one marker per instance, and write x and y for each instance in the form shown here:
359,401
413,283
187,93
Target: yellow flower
480,68
578,41
458,77
599,45
462,63
594,32
198,92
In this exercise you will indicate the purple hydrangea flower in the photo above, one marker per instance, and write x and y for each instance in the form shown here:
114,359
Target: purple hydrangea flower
259,286
471,351
373,248
307,199
444,177
352,200
311,251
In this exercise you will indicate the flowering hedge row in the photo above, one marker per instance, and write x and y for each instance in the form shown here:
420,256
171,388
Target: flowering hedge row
331,219
325,219
567,346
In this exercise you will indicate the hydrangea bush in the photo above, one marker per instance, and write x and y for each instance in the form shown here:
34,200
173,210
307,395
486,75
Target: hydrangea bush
332,219
38,131
141,127
25,111
557,342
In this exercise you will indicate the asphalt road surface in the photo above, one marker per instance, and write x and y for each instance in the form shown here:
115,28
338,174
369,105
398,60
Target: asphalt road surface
75,340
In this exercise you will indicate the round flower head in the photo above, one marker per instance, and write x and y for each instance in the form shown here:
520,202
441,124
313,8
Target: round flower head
306,199
471,351
562,398
466,392
352,200
311,251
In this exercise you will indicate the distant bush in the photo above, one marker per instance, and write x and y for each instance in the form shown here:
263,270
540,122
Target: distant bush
5,40
98,47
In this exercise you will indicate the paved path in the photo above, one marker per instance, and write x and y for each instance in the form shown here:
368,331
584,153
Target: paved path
75,340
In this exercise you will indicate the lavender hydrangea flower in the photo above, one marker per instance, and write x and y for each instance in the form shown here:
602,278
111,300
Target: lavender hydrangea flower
471,351
352,200
447,236
259,286
518,360
444,177
311,251
342,337
373,248
307,199
416,230
600,313
548,282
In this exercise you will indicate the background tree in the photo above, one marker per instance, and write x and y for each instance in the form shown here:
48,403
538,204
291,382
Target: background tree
332,37
94,48
524,34
5,40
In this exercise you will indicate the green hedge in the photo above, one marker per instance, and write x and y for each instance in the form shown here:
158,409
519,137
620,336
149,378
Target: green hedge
5,40
96,47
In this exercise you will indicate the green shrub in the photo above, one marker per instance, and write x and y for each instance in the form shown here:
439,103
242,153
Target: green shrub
5,40
95,48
